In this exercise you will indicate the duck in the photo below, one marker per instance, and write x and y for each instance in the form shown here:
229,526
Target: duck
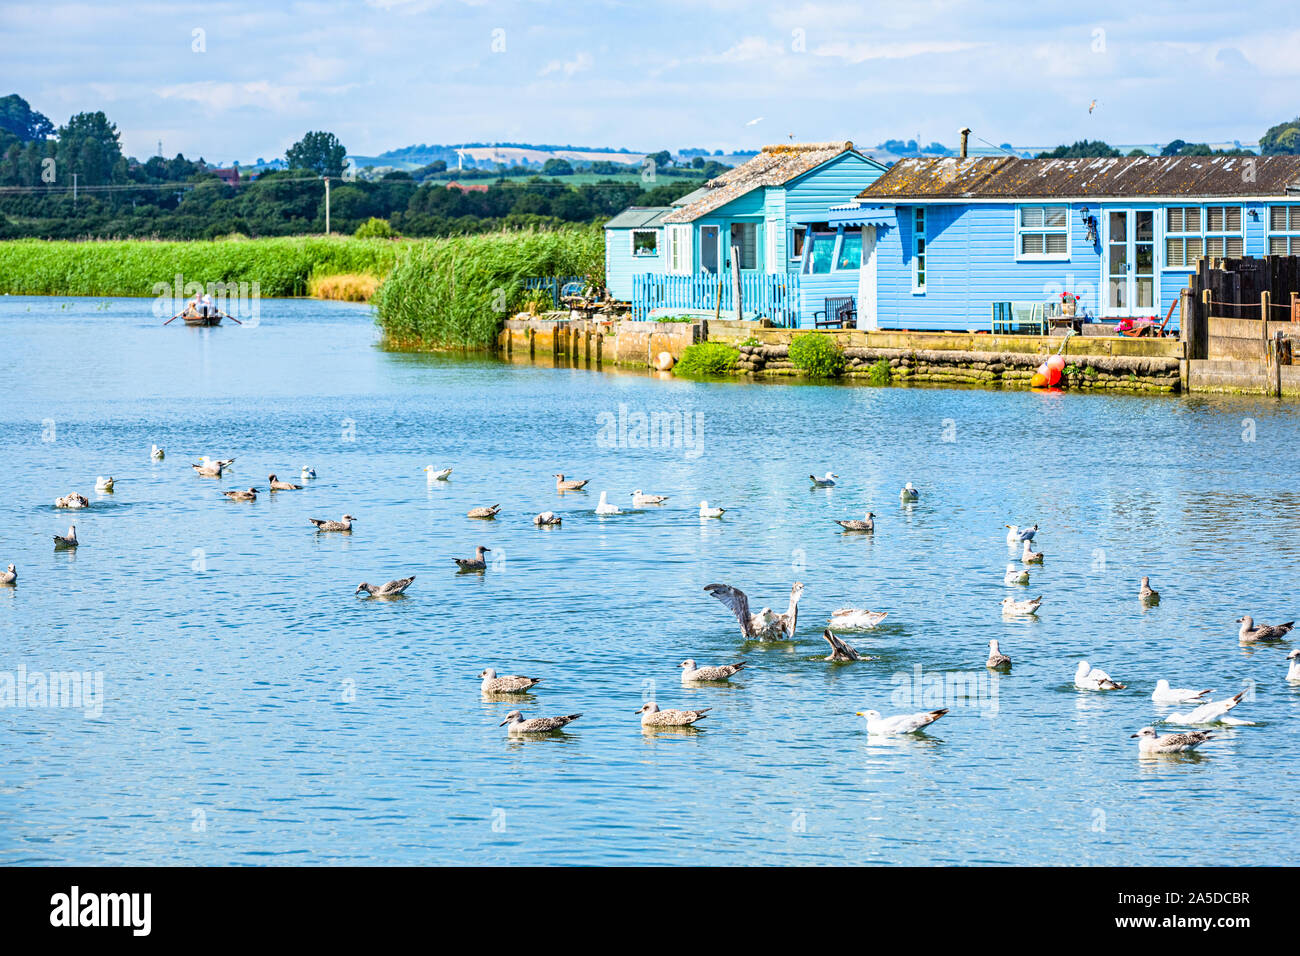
603,507
766,625
1265,633
437,474
476,563
506,683
853,524
1149,742
391,589
1030,556
707,512
343,524
10,576
547,519
1146,594
535,725
1016,534
275,484
569,484
307,474
72,500
157,454
1016,575
640,499
68,540
997,660
104,484
856,618
1087,677
909,493
652,716
486,513
249,495
827,482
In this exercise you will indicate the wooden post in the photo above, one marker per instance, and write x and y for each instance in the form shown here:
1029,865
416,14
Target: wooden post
1295,306
735,283
1276,356
717,305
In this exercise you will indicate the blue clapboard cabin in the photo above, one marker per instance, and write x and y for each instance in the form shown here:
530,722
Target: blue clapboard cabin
955,236
774,211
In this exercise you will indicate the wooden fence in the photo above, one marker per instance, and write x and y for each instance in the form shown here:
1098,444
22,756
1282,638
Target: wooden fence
1266,290
775,296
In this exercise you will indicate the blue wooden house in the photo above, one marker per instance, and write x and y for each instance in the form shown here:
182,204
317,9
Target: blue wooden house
946,239
770,214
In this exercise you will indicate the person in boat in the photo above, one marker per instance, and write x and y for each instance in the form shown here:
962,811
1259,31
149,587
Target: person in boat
195,304
208,309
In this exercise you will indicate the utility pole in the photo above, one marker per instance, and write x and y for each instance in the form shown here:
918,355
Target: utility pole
74,189
327,205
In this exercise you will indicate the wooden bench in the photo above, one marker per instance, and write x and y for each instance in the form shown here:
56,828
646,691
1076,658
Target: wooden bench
838,312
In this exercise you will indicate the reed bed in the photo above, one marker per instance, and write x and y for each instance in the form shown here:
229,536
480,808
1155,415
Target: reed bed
346,288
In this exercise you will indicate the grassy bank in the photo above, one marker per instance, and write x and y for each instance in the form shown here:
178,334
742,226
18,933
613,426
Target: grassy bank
282,267
454,293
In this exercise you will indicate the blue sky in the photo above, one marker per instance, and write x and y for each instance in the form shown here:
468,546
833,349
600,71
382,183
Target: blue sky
665,74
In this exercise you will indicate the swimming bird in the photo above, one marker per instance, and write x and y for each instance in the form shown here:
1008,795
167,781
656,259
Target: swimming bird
722,672
391,589
841,650
72,500
476,563
569,484
307,474
277,485
1016,534
640,499
1014,608
547,519
652,716
483,512
249,495
856,618
603,507
1164,694
997,660
343,524
506,683
707,512
853,524
211,469
827,482
1209,712
157,454
1030,556
1093,678
1146,594
437,474
1265,633
536,725
765,625
909,493
1149,742
66,541
1016,575
104,484
902,724
10,575
1292,674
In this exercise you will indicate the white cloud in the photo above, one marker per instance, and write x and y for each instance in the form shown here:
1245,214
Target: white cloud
579,64
747,49
861,52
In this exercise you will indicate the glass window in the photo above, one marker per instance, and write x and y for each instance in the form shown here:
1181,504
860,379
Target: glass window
1284,230
645,242
821,250
850,256
1190,233
919,217
745,235
1043,232
797,235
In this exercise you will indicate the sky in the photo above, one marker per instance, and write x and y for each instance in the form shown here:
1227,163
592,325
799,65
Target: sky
241,79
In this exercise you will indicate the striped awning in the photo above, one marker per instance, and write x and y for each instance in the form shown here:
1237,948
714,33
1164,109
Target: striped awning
862,216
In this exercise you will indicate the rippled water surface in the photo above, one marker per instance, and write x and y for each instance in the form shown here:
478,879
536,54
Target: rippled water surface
256,711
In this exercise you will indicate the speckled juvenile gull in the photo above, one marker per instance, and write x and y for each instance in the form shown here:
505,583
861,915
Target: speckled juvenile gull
483,512
856,618
652,716
707,512
1030,556
237,495
603,507
506,683
476,563
1013,608
902,724
10,575
1146,594
827,482
1149,742
1016,575
547,519
1292,673
640,499
909,493
765,625
276,484
1087,677
343,524
1264,634
1016,534
391,589
841,650
997,660
68,540
437,474
691,674
853,524
104,484
1208,713
536,725
569,484
73,501
1164,694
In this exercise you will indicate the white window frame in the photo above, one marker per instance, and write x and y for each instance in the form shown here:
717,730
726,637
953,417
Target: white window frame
1290,235
771,229
680,261
1043,230
632,244
841,235
1224,234
920,249
790,253
1182,236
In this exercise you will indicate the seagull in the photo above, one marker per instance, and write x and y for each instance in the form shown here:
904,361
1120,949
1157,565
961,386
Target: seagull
856,618
1016,534
902,724
1292,674
1151,743
765,625
277,485
249,495
475,563
72,500
343,524
1164,694
307,474
1265,633
391,589
640,499
1208,713
1092,678
211,469
157,454
104,484
1092,106
707,512
841,650
827,482
506,683
547,519
483,512
997,660
437,474
1014,608
536,725
909,494
866,524
652,716
1146,594
1030,556
756,120
569,484
603,507
10,576
1016,575
66,541
692,674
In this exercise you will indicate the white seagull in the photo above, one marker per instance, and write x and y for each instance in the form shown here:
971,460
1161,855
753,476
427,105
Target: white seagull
437,474
104,484
1208,713
909,494
902,724
1094,678
707,512
156,453
856,618
1016,534
603,507
1293,672
827,482
1030,556
547,519
1149,742
1164,694
1016,575
640,499
308,473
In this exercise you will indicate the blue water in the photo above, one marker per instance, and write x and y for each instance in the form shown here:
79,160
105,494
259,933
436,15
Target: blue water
255,711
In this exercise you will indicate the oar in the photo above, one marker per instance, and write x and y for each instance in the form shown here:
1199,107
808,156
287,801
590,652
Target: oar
176,316
231,318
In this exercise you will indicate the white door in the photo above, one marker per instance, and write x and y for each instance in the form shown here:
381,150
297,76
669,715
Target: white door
1130,280
867,317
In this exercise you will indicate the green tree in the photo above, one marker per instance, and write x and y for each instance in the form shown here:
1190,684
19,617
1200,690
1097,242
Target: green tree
320,152
19,119
1282,138
1082,148
91,147
557,167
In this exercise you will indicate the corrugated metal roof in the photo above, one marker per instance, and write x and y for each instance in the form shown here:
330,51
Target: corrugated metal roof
635,217
773,166
1008,177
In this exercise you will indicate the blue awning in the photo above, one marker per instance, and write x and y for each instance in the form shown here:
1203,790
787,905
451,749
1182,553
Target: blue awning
863,216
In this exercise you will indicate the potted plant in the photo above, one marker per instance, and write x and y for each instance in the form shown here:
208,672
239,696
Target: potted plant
1069,304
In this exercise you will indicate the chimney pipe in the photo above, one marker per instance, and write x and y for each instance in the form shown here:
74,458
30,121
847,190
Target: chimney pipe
965,135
